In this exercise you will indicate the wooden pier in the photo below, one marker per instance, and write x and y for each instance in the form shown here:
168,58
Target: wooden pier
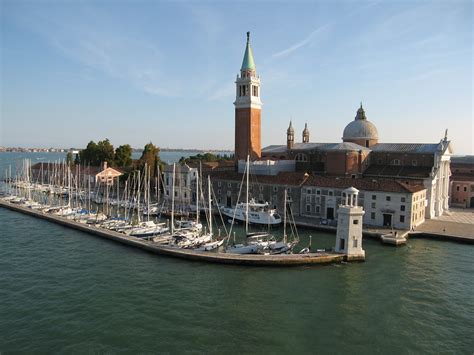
282,260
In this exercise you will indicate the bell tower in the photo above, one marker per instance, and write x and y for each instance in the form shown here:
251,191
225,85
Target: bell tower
290,137
247,109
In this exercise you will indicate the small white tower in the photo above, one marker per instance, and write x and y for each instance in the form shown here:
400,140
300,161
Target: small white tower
349,226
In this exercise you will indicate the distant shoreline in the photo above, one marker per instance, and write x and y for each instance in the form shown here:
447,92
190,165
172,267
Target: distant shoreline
63,150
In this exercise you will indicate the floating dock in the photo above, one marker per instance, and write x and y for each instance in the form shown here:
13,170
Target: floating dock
188,254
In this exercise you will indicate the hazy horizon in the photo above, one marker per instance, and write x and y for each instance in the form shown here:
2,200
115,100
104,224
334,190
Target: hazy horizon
164,72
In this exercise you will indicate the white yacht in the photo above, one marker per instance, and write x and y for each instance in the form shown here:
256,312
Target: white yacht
258,213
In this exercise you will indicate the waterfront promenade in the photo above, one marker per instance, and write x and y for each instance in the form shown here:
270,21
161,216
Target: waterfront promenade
457,222
457,226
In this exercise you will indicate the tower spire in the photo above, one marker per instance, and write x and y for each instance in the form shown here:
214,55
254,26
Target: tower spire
248,63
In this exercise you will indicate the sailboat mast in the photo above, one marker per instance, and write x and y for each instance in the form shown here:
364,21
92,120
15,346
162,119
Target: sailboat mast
284,219
247,193
197,197
172,200
210,203
138,198
148,193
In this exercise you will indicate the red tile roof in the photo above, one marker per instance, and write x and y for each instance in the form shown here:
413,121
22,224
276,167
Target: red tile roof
300,179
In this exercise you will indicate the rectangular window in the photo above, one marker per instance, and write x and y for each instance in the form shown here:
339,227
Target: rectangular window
388,198
465,188
308,208
318,209
402,208
318,192
374,197
402,218
308,199
457,188
402,199
372,215
373,204
354,243
355,221
331,193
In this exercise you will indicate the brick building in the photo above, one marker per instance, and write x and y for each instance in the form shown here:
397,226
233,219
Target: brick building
462,182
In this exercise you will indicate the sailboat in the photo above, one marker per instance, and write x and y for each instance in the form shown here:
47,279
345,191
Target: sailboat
284,246
212,244
255,242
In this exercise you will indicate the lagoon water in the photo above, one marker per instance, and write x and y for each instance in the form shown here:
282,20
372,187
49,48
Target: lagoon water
66,291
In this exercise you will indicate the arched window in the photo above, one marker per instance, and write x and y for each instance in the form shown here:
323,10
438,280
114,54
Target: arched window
301,157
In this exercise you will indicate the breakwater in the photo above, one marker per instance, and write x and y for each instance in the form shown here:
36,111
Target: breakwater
212,257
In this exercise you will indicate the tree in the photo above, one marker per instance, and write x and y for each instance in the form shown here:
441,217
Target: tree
69,158
105,152
123,156
206,157
150,156
89,155
95,154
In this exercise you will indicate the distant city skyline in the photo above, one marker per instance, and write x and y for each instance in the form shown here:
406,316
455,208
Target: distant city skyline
164,72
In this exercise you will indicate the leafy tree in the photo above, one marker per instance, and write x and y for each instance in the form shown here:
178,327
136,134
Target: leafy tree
123,156
69,158
150,156
105,152
206,157
96,153
89,155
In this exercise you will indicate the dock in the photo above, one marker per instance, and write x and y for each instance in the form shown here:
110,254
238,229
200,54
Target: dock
459,233
281,260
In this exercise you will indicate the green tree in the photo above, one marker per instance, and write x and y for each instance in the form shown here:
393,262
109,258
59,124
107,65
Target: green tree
150,157
89,155
105,152
123,156
69,158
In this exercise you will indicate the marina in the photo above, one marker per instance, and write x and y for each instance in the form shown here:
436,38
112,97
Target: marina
222,258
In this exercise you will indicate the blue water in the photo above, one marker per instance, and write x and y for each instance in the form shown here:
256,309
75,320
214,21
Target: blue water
64,291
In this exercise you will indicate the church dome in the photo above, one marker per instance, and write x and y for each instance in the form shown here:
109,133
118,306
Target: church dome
360,128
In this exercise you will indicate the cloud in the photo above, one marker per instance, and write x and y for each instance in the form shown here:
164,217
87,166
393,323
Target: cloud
99,42
317,33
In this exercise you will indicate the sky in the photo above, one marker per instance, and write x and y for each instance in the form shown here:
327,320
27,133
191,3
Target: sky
141,71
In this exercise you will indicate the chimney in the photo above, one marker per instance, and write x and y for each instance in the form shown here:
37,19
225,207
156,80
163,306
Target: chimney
105,165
